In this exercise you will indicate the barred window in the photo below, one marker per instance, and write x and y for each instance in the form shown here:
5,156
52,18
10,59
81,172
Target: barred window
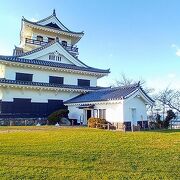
54,57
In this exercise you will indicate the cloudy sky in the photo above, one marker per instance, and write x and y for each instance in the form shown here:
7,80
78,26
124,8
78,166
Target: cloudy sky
138,38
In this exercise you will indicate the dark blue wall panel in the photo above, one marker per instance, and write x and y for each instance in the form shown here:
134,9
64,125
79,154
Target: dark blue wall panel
26,108
83,82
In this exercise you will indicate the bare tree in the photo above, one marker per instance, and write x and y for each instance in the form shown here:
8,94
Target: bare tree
125,81
169,97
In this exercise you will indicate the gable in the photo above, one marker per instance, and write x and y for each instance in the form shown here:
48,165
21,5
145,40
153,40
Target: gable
55,57
55,48
53,21
53,25
141,97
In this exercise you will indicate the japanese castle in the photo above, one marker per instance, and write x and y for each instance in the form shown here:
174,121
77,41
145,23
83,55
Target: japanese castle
44,70
44,74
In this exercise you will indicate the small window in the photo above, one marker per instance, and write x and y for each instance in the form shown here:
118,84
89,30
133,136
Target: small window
39,38
56,80
96,113
64,43
83,82
102,113
58,58
50,39
51,57
24,77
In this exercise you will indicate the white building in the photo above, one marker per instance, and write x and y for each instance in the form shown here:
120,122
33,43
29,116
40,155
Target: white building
44,72
126,104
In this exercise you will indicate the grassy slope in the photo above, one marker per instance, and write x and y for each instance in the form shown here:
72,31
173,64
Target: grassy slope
65,153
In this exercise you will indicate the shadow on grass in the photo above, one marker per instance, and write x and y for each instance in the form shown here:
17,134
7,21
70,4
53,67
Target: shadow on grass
164,130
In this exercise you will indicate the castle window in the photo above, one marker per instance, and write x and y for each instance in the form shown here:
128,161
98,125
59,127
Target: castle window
50,39
64,43
54,57
56,80
58,58
51,57
102,113
39,38
83,82
24,77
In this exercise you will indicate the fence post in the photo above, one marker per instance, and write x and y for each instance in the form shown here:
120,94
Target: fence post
132,128
72,122
10,123
108,126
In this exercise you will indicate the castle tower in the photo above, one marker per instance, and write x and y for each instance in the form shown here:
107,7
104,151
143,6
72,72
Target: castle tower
44,70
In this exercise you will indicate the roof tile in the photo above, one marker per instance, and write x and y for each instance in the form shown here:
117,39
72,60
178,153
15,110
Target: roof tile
106,94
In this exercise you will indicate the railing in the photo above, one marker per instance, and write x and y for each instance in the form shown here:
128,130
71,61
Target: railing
70,48
36,42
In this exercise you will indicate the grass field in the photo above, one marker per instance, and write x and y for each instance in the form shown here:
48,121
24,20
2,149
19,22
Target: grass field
82,153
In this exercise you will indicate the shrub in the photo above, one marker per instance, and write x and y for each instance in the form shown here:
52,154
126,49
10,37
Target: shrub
96,122
159,123
170,115
56,116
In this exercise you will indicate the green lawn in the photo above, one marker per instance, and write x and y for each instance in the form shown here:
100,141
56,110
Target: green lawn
82,153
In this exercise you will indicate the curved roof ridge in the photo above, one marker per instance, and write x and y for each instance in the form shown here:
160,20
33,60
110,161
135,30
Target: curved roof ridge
51,64
44,19
37,24
37,49
142,90
47,45
134,85
53,15
107,94
44,84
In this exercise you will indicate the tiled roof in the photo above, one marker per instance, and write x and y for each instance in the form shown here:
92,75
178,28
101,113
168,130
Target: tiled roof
46,46
106,94
67,31
37,49
29,83
51,64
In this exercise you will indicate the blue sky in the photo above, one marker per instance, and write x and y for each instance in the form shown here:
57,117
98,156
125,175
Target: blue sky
136,37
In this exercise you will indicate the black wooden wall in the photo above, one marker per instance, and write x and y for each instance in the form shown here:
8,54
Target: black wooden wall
24,107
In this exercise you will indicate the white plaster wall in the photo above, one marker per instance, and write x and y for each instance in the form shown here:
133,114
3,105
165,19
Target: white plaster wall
35,95
2,71
140,107
114,112
1,94
76,113
43,75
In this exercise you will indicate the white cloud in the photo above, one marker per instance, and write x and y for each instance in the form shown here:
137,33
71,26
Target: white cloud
177,49
171,75
160,83
173,46
178,52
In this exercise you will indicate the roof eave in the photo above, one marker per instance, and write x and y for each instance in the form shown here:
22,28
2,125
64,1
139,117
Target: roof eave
35,25
98,74
112,101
